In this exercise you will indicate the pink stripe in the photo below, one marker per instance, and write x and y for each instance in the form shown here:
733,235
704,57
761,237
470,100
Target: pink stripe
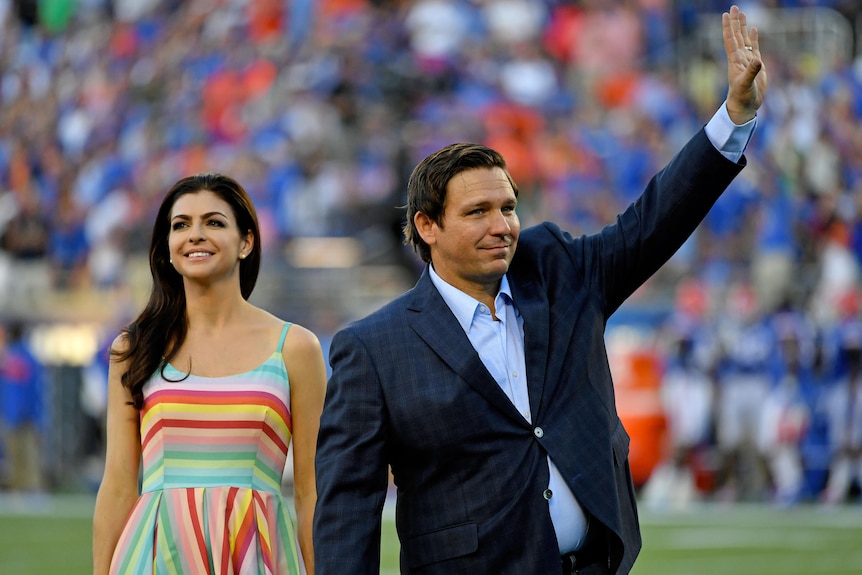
183,528
196,512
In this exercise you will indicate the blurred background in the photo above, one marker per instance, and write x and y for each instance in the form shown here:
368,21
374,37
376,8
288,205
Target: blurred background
737,366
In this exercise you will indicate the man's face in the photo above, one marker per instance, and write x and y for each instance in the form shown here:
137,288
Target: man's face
474,244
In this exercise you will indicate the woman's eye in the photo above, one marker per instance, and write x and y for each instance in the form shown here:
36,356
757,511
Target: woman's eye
178,226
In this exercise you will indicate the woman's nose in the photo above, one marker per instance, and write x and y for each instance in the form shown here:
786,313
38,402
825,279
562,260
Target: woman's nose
196,233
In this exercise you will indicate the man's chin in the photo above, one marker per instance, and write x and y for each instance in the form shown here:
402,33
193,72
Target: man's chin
498,268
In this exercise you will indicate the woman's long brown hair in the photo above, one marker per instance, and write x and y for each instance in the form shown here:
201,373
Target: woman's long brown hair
156,335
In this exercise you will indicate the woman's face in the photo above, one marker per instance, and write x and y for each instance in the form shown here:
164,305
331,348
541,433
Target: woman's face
204,242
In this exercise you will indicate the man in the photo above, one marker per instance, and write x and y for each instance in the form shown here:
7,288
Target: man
487,387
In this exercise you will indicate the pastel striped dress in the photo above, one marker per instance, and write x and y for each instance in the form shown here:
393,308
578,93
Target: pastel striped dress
214,450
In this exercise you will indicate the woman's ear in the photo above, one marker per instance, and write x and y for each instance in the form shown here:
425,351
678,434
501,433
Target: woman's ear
247,245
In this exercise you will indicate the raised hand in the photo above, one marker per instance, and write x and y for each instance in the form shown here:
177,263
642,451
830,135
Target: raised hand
746,74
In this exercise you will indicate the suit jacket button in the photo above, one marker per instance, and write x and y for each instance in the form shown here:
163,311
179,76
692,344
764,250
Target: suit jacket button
538,432
547,494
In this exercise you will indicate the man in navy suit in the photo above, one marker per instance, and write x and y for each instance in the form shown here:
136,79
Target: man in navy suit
486,387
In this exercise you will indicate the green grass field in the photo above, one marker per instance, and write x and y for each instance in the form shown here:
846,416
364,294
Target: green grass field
53,537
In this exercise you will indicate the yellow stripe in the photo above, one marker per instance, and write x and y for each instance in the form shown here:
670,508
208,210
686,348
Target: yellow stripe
209,413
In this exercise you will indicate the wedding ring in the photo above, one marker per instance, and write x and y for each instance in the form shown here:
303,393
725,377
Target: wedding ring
749,48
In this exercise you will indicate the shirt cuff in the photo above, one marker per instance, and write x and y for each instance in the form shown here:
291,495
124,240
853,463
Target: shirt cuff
728,138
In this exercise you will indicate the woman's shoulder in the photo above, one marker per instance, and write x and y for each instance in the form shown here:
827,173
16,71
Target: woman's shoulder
303,356
120,343
298,338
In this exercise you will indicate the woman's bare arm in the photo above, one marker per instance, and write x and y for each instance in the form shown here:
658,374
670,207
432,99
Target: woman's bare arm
119,488
307,373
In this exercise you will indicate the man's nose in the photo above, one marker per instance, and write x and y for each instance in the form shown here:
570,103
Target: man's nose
500,224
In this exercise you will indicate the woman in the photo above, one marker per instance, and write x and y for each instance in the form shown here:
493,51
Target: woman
206,390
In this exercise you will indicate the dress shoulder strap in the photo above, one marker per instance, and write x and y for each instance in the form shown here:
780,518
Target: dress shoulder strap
281,339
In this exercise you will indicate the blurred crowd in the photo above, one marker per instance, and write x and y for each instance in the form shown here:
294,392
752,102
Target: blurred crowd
758,405
322,107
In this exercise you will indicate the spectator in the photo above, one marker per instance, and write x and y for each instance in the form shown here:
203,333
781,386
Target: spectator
687,397
25,240
744,379
21,388
786,411
843,404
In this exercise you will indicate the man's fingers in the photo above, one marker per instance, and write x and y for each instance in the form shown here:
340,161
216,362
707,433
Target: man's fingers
737,35
755,40
753,69
743,30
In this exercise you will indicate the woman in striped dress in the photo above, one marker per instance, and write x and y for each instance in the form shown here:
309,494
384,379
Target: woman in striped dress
206,394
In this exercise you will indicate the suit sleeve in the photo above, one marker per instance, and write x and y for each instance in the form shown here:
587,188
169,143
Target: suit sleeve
645,236
351,464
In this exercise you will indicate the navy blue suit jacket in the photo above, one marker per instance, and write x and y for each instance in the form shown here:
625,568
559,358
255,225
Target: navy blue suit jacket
408,390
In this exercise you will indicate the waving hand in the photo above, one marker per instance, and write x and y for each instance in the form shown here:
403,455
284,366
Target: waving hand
746,74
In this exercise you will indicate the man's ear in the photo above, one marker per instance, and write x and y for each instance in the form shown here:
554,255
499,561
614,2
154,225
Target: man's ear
426,227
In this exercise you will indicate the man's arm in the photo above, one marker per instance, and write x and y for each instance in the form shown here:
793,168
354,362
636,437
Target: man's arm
731,127
351,465
676,200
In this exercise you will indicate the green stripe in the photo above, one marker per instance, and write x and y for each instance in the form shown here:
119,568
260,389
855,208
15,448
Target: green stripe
269,474
219,456
273,368
165,552
140,541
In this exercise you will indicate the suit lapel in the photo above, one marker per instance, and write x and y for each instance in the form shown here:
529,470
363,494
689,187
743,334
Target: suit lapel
435,323
533,307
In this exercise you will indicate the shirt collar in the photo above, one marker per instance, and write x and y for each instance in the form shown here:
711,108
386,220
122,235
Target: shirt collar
464,306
